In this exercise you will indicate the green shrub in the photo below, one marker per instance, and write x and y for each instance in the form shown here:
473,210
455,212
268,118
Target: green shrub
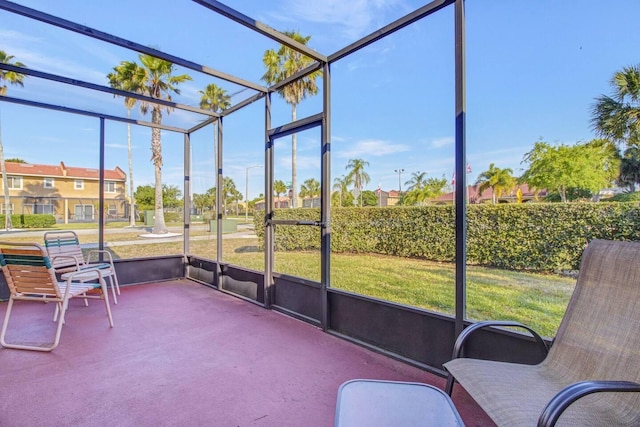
30,220
537,237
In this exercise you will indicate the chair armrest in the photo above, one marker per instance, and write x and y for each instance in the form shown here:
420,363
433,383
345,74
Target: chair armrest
70,257
573,392
99,251
466,333
462,338
83,278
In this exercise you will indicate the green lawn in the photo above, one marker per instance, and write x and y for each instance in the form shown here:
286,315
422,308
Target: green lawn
538,300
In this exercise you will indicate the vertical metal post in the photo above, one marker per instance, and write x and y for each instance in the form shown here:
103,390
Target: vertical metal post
268,206
187,193
460,167
325,199
219,182
101,190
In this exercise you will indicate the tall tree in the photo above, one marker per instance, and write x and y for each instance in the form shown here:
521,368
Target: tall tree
430,189
341,186
216,99
123,78
279,187
310,188
417,181
229,192
154,77
567,169
617,117
357,176
13,78
499,180
629,168
280,65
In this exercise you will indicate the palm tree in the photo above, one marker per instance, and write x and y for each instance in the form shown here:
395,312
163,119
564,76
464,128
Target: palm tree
417,181
310,188
15,79
357,176
280,65
630,168
229,191
215,99
153,78
341,185
499,180
618,116
279,187
123,78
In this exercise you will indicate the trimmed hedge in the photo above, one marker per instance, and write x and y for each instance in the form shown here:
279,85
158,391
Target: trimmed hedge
538,237
30,220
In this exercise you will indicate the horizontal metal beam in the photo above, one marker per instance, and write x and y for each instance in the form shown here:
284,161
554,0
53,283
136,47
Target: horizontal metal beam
297,126
88,113
261,28
228,111
118,41
300,74
398,24
107,89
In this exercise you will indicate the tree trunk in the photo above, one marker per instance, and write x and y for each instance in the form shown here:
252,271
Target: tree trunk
5,185
294,171
159,226
132,213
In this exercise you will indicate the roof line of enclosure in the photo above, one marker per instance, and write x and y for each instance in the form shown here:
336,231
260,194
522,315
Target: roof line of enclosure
89,113
106,89
118,41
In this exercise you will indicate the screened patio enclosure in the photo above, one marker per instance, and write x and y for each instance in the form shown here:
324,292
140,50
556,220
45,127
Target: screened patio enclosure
418,336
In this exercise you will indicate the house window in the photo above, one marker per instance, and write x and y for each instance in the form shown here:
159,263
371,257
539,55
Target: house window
83,212
78,184
14,182
48,183
109,187
3,208
42,208
112,211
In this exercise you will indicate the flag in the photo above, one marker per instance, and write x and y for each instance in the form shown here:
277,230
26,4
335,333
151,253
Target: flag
468,168
453,179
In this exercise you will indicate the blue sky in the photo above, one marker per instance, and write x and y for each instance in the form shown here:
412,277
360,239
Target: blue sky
533,70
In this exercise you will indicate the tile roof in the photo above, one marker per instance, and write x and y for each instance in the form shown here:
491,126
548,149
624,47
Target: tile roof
61,170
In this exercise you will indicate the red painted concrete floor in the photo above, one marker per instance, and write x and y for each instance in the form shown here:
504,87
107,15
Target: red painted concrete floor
182,354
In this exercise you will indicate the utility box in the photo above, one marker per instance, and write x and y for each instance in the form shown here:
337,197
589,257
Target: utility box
149,217
228,226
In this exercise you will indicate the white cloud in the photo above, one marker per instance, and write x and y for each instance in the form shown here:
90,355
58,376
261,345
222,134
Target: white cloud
372,147
354,18
442,142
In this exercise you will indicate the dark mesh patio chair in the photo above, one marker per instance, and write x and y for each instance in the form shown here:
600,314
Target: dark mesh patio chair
591,375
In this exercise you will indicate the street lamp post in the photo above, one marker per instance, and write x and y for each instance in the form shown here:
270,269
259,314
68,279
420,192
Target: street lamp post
399,172
246,192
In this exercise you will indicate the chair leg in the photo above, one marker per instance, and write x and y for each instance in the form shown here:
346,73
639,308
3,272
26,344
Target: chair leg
449,387
117,283
105,297
113,288
29,347
6,322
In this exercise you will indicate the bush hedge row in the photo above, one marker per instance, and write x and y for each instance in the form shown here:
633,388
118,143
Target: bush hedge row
30,220
538,237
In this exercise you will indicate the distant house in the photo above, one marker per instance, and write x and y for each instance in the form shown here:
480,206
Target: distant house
392,199
311,202
475,197
69,193
278,202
